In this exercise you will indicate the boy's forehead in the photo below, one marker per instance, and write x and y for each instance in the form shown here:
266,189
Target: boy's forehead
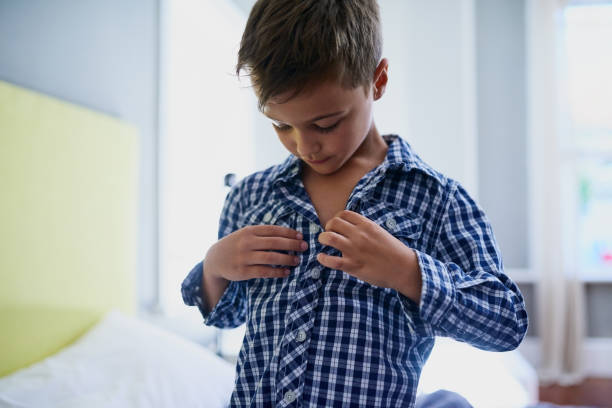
314,101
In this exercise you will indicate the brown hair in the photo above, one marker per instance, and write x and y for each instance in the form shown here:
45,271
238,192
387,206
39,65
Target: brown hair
288,44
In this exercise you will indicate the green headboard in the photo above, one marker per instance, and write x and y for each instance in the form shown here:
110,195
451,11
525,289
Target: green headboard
68,217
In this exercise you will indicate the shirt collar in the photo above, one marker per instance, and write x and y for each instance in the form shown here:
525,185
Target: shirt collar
399,156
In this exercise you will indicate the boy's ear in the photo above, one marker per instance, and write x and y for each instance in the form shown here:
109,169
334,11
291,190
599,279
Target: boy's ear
380,79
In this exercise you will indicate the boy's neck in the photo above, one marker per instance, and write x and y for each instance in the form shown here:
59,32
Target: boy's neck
369,155
371,152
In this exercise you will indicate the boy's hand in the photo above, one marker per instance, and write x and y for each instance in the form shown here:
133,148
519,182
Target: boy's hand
370,253
242,254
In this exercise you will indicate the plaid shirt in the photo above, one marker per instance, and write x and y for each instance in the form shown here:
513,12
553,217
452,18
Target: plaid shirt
322,337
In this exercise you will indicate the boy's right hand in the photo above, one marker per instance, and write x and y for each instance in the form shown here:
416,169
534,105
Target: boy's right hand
242,254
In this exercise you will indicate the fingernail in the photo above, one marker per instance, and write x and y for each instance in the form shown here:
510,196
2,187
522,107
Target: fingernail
304,245
299,235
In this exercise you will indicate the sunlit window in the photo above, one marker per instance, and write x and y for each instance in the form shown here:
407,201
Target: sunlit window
588,144
207,132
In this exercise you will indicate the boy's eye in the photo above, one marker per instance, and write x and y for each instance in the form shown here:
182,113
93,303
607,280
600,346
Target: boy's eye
328,128
281,127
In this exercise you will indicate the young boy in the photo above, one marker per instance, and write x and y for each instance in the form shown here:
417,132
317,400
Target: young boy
346,260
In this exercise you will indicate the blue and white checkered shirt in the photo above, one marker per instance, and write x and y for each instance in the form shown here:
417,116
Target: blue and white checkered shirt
322,337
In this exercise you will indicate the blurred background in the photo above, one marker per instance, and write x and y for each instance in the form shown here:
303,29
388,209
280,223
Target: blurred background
512,98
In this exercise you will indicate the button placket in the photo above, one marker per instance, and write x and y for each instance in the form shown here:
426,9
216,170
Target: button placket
305,299
301,317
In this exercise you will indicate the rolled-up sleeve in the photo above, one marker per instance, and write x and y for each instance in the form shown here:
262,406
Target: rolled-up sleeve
230,310
465,293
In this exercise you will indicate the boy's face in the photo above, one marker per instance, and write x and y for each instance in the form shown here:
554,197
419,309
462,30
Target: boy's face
324,122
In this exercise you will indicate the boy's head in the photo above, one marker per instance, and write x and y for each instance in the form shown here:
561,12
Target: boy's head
315,67
289,44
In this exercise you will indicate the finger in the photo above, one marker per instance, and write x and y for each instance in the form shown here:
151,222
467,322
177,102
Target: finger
265,230
340,226
272,258
280,243
352,217
262,271
334,262
335,240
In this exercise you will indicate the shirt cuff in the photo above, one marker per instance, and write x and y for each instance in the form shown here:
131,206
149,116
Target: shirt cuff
223,313
191,289
437,291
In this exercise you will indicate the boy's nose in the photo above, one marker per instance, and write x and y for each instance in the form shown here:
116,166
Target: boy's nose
310,156
308,149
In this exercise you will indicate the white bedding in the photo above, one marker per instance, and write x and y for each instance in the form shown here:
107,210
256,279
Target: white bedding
486,379
123,362
126,362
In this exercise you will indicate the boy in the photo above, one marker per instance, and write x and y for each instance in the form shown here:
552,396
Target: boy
346,260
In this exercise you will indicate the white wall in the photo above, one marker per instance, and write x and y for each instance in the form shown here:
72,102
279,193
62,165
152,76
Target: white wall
430,98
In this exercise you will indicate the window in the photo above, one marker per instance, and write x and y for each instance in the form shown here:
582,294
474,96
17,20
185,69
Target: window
206,132
587,145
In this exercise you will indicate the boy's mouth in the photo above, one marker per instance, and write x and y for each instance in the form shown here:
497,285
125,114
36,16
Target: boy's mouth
316,161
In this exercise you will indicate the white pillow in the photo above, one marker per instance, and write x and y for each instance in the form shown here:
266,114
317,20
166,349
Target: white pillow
123,362
482,377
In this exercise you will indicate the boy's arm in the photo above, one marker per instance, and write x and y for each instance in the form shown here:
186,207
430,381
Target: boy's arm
465,293
213,286
230,309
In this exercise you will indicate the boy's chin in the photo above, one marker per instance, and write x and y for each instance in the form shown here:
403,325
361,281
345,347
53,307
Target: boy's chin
327,171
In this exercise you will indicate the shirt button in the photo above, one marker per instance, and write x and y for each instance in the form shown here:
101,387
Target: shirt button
267,217
391,224
315,273
301,336
313,228
289,397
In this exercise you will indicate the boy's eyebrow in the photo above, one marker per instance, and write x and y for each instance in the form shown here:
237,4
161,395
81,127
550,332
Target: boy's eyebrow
327,115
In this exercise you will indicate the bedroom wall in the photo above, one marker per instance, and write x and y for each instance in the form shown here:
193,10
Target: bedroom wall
502,131
430,47
502,127
102,55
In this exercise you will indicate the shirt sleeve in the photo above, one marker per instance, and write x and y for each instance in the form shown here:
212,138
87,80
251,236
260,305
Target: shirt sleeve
230,310
465,293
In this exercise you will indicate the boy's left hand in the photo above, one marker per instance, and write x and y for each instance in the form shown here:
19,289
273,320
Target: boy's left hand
370,253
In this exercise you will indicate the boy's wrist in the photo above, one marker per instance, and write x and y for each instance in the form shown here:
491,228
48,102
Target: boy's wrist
207,269
410,282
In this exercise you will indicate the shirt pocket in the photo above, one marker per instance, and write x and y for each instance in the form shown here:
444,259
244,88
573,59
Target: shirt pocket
399,222
261,291
270,213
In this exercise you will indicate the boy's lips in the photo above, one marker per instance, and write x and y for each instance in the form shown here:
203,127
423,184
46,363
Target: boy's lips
316,161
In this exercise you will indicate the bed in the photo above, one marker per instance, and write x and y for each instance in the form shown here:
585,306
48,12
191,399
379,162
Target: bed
71,335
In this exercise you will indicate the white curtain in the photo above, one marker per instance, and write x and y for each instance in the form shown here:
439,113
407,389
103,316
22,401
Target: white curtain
561,311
